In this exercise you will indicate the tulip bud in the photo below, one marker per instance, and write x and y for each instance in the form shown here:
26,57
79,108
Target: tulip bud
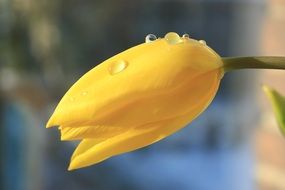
138,97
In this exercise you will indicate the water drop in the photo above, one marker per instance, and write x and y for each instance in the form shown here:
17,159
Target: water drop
172,38
203,42
117,67
150,38
185,36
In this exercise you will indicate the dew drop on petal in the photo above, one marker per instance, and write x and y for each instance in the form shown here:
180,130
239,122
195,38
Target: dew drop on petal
118,66
203,42
172,38
185,36
150,38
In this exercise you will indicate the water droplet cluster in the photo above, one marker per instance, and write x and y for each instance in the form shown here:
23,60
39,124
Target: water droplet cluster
172,38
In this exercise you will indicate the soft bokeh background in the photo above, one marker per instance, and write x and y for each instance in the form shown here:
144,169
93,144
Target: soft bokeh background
45,46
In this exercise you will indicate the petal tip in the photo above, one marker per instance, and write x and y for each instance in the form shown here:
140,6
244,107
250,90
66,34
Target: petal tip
71,167
51,122
74,165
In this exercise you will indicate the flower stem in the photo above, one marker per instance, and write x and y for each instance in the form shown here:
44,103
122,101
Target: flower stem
264,62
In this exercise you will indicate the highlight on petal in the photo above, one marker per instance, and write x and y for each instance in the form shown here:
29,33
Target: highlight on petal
90,132
278,103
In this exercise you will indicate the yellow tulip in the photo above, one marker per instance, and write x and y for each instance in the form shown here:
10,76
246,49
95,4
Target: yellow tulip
139,97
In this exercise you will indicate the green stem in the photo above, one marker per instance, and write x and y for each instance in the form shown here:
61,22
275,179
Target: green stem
264,62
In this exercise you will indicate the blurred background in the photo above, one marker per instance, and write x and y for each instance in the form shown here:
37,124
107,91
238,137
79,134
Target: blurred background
45,46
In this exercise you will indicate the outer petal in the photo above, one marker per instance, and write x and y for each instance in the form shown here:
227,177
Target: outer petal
152,109
92,151
153,70
97,132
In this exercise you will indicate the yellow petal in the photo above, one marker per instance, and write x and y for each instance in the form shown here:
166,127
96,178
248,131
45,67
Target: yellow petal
84,146
92,151
95,132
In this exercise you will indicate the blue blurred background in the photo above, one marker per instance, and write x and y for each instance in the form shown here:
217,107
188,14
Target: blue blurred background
45,46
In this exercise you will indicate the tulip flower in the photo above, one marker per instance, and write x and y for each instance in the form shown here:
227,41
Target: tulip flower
143,95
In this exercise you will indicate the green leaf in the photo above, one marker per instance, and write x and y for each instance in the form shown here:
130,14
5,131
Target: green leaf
278,103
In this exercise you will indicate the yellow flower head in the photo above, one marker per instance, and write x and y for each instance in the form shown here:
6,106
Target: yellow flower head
138,97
